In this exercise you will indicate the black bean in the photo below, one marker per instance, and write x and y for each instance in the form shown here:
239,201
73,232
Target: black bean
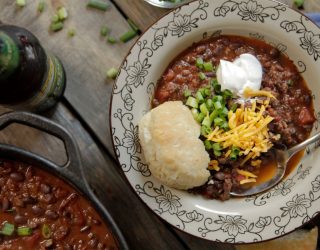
37,210
5,204
46,189
18,177
48,198
20,219
29,200
51,215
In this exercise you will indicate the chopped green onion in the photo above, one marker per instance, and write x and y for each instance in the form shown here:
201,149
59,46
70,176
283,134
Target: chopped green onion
199,63
128,36
200,117
7,229
205,130
217,98
111,40
71,32
227,94
24,231
234,107
104,31
298,3
55,18
62,13
209,104
218,121
192,102
224,112
41,6
208,144
216,86
290,82
234,153
204,109
46,231
202,76
199,97
224,125
208,66
112,73
217,153
216,146
195,113
98,4
56,26
21,3
133,25
206,92
217,105
206,122
214,115
187,93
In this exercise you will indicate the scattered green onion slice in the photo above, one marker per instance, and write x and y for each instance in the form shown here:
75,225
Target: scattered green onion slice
227,94
21,3
104,31
24,231
205,130
202,76
111,40
298,3
206,122
41,6
192,102
98,4
195,113
234,153
207,66
7,229
199,63
217,105
216,146
200,117
218,121
187,93
112,73
199,97
204,109
130,34
234,107
56,26
71,32
62,13
46,231
55,18
214,115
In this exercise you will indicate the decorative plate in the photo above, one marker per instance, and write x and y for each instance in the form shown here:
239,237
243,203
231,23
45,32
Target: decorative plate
293,202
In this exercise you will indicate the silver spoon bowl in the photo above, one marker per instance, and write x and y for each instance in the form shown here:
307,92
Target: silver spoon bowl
282,157
167,4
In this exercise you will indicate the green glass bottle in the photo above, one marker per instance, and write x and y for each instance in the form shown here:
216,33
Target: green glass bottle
30,78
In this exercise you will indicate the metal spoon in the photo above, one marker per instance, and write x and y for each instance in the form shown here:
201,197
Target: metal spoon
282,157
167,4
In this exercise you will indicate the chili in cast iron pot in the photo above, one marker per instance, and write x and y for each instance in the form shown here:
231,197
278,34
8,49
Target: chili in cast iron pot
60,208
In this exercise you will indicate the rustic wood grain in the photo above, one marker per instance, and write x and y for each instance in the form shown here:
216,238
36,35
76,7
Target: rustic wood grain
141,228
86,56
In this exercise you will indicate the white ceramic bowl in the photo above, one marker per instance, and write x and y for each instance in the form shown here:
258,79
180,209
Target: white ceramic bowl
293,202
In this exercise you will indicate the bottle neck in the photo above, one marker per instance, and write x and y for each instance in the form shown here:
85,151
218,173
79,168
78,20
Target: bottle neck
9,56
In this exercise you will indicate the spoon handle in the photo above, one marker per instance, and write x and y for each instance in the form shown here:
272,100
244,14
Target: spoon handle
303,144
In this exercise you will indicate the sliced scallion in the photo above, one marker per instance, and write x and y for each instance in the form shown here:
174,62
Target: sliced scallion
217,105
104,31
206,122
199,63
112,73
192,102
21,3
209,104
227,94
200,117
41,6
46,231
98,4
111,40
205,130
208,144
195,113
187,93
204,109
207,66
71,32
234,153
24,231
202,76
199,97
7,229
218,121
62,13
55,18
234,107
56,26
213,115
128,36
133,25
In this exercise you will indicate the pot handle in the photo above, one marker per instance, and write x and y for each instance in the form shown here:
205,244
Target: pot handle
48,126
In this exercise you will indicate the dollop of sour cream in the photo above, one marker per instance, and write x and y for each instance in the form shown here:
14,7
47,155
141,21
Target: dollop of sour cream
244,72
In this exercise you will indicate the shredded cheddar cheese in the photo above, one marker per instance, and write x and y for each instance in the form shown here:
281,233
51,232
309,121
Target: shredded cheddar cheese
251,93
213,165
248,130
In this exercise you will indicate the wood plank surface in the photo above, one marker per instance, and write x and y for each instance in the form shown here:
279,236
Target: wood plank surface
86,56
141,228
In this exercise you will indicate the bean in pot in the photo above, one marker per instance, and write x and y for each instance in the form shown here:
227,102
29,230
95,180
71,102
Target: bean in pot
18,177
51,214
20,219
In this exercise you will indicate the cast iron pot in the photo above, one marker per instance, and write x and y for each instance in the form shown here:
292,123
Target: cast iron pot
63,172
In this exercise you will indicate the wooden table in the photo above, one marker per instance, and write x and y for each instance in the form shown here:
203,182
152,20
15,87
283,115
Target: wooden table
84,110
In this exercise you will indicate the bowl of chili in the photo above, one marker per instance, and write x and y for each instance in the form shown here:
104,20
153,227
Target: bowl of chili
46,206
177,59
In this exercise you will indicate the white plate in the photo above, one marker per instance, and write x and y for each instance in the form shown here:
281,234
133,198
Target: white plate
282,209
